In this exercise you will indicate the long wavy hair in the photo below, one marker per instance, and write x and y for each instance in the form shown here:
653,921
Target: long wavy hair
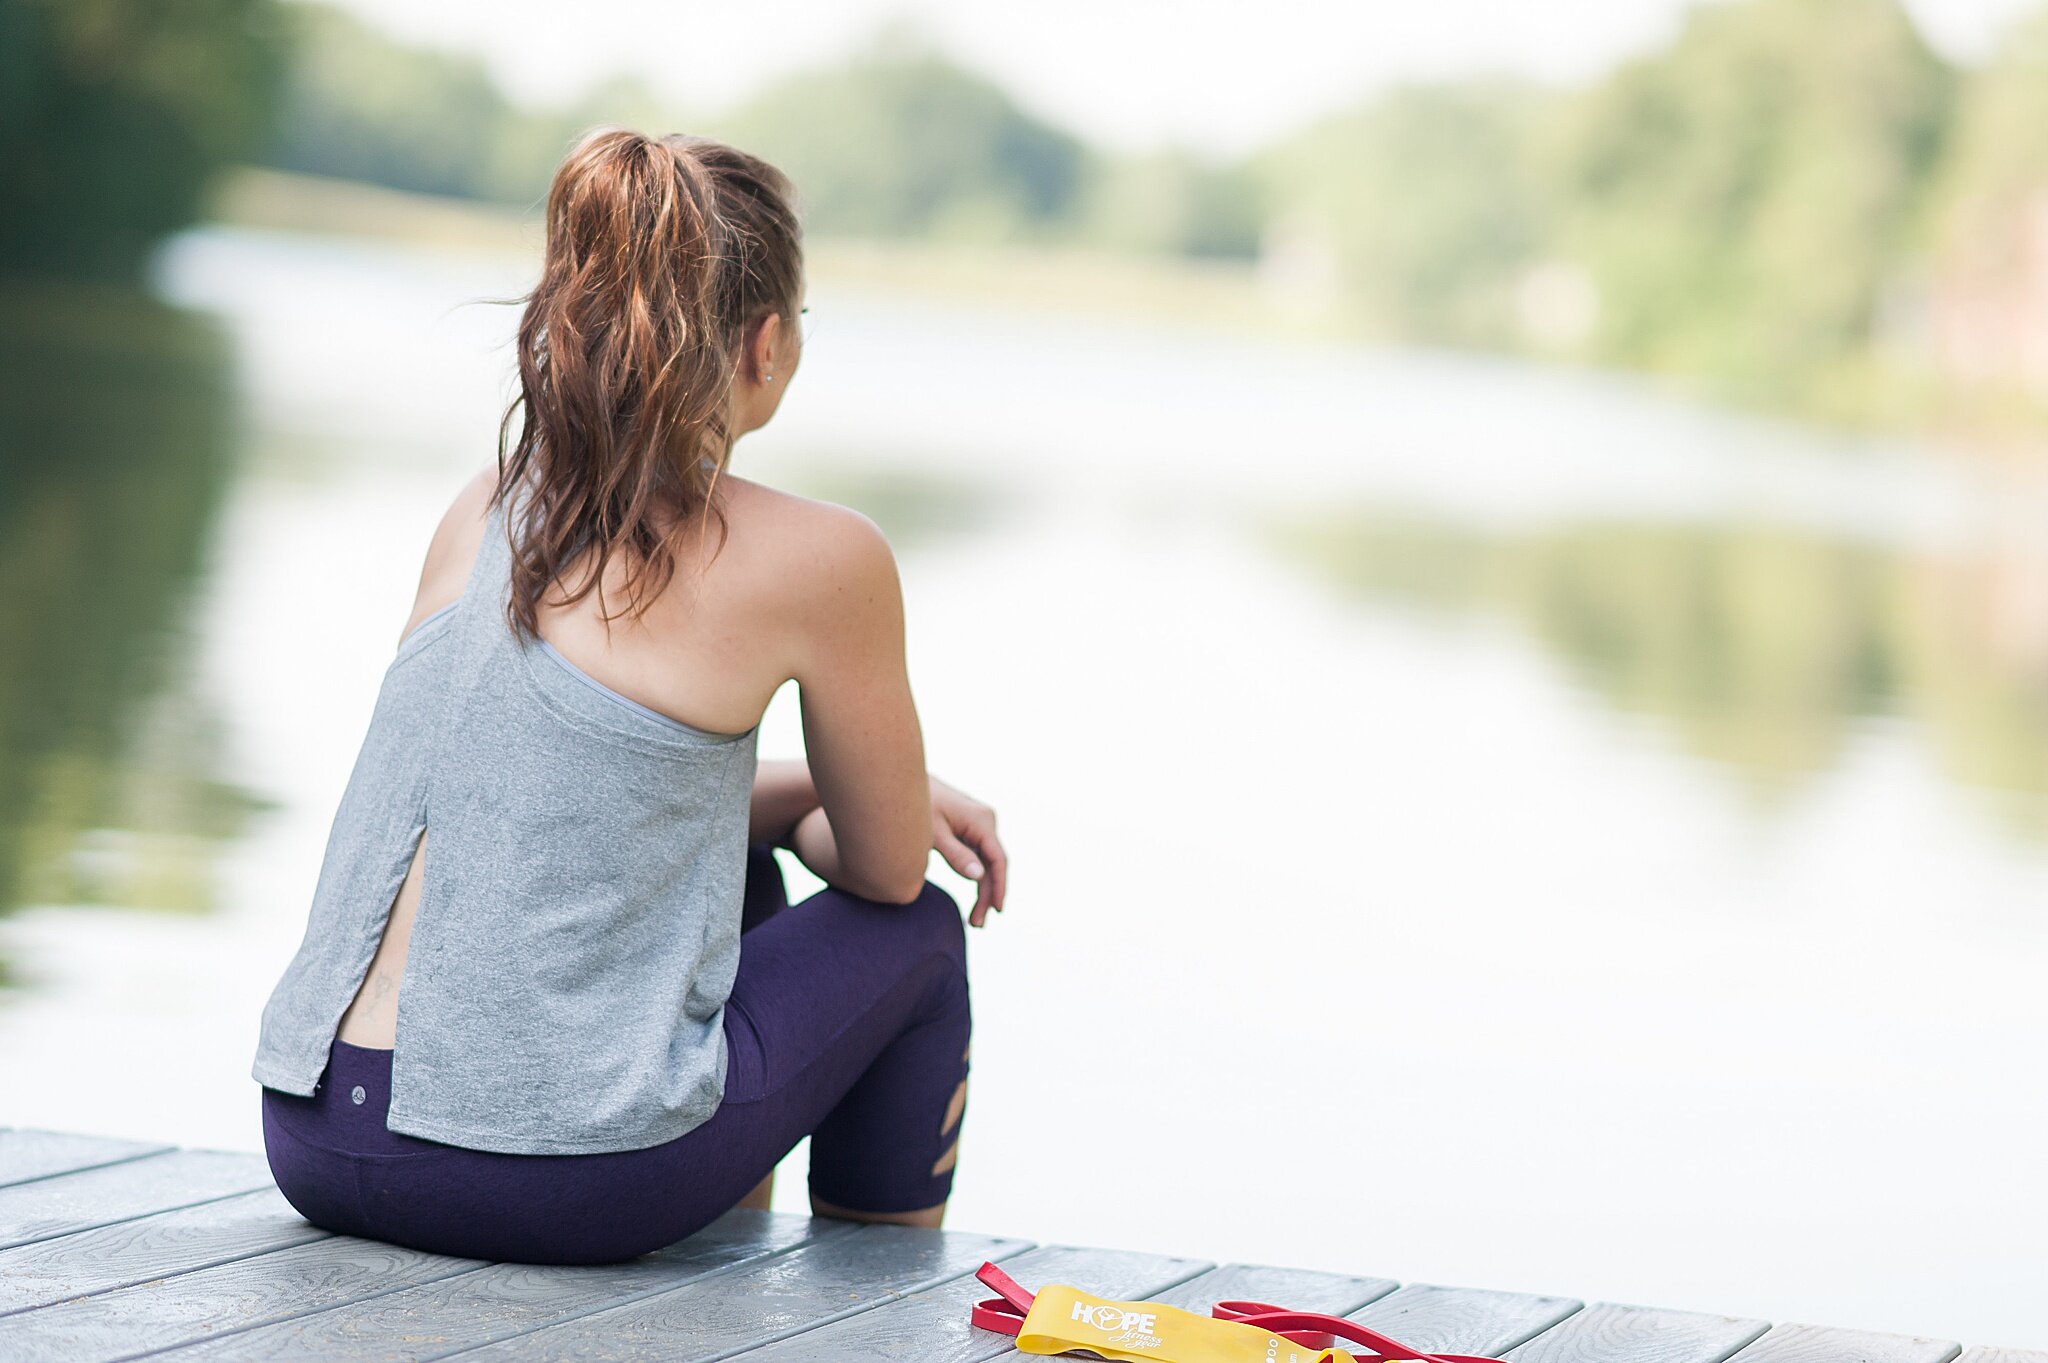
662,255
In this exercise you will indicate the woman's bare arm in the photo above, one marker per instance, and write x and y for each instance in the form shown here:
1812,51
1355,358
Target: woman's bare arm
812,842
862,739
783,794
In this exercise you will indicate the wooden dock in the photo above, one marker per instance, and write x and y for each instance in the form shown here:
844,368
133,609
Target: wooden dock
113,1249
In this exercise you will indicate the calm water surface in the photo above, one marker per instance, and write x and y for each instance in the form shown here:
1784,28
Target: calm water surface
1472,824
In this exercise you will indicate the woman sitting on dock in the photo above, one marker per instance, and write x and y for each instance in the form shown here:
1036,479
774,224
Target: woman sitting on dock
552,1005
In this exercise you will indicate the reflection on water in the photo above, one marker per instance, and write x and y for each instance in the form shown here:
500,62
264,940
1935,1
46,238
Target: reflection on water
116,448
1761,647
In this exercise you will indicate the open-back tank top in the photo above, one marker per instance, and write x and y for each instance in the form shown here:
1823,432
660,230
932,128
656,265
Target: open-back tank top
578,926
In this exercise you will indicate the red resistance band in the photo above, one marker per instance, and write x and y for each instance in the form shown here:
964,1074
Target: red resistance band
1310,1329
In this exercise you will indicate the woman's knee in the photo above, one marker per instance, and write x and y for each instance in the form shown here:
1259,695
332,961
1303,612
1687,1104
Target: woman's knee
935,911
940,913
928,927
948,942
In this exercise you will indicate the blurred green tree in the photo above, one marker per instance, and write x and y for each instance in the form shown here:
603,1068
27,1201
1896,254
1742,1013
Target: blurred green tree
1990,231
361,106
1174,201
1998,155
114,115
1426,198
1741,199
900,141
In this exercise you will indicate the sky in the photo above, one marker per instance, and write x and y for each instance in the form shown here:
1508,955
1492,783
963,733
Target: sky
1129,75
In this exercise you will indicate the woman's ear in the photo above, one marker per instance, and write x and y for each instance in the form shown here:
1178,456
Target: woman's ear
759,339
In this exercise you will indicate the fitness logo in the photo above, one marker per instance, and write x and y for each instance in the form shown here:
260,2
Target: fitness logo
1133,1328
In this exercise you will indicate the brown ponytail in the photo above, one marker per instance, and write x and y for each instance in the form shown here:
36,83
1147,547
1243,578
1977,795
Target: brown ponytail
662,254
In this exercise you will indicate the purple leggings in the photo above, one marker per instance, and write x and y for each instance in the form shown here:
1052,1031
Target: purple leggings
848,1023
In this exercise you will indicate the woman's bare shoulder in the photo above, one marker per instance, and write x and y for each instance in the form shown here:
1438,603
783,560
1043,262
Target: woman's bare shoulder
770,524
804,535
779,545
822,572
451,552
461,529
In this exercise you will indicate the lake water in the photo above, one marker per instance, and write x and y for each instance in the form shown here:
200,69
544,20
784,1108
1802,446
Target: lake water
1472,823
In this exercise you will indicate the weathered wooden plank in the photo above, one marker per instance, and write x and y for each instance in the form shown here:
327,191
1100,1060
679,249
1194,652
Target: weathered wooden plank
212,1301
1609,1333
504,1300
1812,1344
1984,1354
1296,1288
1300,1289
147,1247
27,1153
933,1324
761,1303
99,1196
1463,1320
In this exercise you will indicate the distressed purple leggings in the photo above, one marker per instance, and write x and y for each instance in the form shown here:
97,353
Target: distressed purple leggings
848,1023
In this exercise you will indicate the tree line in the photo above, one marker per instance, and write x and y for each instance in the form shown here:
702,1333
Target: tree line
1795,203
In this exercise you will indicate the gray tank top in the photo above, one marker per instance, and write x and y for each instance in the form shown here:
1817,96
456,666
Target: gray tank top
579,918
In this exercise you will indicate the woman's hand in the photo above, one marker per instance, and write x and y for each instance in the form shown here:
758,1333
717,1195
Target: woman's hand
964,832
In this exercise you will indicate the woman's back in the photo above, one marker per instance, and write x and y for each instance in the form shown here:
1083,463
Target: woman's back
573,948
599,788
708,653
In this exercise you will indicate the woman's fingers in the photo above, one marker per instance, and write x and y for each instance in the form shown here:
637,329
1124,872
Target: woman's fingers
998,870
964,832
958,854
962,858
978,872
984,899
978,864
997,863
